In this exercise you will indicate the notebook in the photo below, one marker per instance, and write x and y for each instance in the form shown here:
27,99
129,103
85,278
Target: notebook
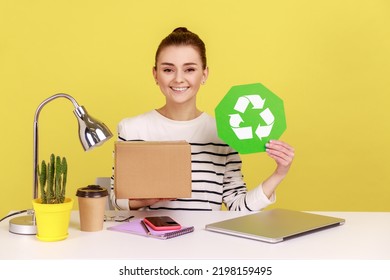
275,225
137,227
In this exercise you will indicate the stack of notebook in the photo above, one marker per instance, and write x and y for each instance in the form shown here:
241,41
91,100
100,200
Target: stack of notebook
136,226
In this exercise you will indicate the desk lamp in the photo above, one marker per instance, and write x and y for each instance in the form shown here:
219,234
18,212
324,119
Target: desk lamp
91,133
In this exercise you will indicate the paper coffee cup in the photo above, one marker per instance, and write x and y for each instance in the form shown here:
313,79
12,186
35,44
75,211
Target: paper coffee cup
92,203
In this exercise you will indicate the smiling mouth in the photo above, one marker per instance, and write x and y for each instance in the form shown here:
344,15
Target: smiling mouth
179,89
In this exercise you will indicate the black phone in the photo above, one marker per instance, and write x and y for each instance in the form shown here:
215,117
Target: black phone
162,223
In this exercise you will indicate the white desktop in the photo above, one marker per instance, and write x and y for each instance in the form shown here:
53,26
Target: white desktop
364,236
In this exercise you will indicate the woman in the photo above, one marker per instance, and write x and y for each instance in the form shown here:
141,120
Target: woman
180,69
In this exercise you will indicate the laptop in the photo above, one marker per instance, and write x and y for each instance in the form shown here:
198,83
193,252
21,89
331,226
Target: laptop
275,225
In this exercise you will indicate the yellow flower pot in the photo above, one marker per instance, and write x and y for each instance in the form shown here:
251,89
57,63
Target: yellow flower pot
52,219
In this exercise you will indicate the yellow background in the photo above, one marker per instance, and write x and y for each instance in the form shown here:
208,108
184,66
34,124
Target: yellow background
328,60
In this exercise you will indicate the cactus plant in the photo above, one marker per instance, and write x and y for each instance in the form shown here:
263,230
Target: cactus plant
52,180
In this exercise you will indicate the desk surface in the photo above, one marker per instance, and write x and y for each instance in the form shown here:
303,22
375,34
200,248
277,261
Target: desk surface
365,235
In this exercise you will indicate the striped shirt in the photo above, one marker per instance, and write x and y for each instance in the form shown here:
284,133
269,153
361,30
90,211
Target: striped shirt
216,168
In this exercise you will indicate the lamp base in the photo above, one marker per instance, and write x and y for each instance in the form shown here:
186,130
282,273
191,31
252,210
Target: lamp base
23,225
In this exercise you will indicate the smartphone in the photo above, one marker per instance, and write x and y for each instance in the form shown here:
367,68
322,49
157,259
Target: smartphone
162,223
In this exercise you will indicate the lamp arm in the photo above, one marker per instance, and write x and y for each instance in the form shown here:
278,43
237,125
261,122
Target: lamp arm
55,96
35,136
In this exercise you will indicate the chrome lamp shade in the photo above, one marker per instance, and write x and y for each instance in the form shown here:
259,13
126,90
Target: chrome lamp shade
92,132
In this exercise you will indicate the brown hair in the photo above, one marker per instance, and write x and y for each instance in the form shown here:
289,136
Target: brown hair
181,36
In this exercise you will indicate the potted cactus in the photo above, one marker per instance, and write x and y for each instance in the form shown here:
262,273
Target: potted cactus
52,180
53,208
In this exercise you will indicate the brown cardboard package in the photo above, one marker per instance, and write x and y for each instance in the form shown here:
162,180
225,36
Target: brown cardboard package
148,169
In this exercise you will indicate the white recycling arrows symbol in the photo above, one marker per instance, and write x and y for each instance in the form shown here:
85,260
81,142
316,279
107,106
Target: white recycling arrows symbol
246,132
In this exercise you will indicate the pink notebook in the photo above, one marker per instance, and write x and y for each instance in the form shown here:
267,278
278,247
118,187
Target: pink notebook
136,227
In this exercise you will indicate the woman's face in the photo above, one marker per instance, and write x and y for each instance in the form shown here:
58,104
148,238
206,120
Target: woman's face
179,73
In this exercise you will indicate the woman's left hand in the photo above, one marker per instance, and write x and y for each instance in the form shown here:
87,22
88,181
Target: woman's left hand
282,153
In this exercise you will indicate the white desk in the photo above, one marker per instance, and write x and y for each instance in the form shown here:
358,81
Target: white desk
363,236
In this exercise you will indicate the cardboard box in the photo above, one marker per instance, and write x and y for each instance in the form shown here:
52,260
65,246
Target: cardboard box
148,169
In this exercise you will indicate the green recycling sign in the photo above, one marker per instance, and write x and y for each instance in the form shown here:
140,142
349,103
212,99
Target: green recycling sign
249,116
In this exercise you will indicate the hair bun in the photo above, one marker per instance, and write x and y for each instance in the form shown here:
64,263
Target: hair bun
181,29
